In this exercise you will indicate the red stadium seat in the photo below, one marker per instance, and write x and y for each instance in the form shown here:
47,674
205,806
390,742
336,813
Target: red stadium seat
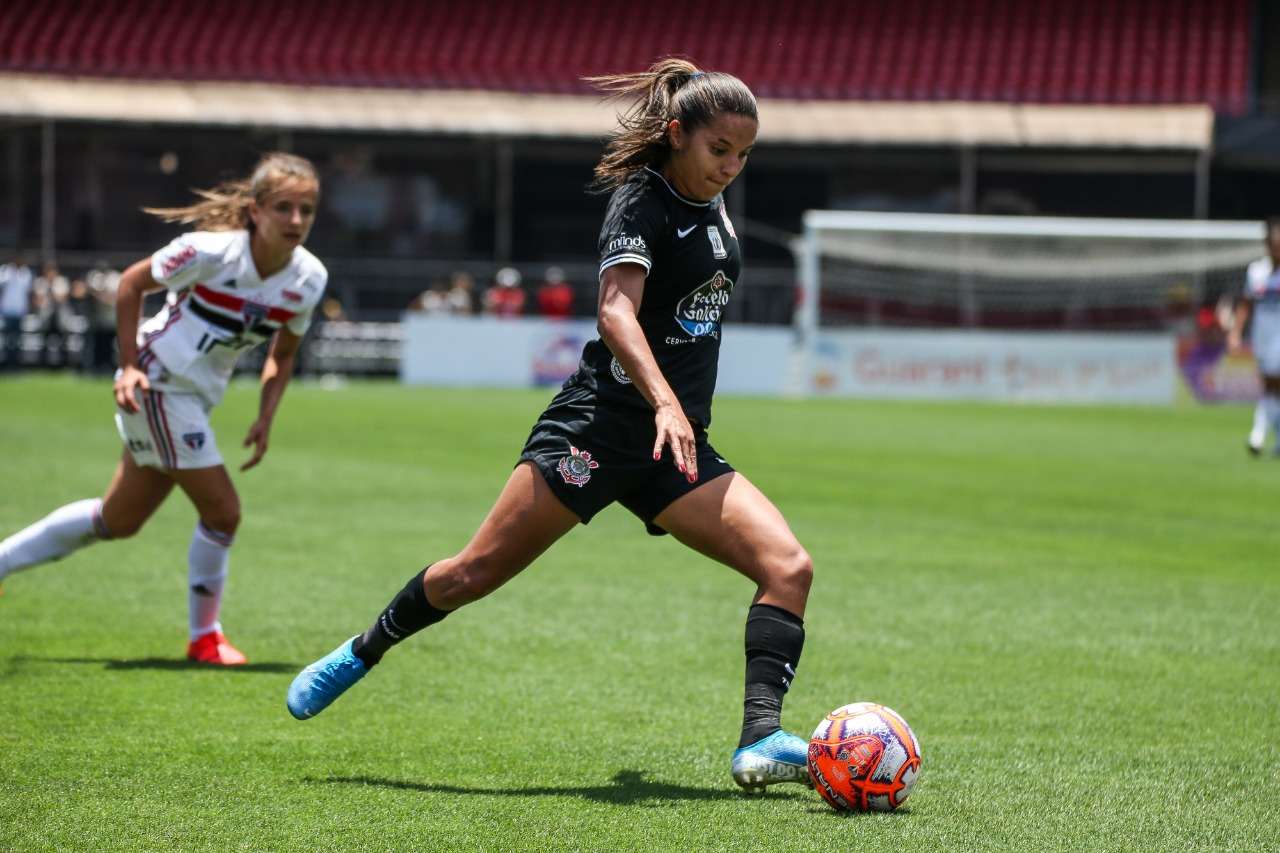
1098,51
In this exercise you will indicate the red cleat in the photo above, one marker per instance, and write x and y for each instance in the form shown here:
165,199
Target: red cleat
213,648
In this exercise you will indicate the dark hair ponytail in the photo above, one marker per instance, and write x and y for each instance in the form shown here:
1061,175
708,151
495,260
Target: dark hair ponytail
672,88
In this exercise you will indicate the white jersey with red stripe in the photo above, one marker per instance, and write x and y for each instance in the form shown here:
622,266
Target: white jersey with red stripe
218,307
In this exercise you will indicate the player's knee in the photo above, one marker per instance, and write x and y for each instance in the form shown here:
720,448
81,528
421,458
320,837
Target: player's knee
793,570
224,517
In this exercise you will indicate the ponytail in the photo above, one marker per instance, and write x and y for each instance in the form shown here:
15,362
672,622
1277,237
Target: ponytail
671,88
226,206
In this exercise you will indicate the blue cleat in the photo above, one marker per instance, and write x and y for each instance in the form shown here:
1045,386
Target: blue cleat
781,757
315,688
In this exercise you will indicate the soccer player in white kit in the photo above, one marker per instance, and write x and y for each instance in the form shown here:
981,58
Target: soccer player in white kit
242,278
1261,300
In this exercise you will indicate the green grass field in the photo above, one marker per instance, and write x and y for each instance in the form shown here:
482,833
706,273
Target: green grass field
1077,609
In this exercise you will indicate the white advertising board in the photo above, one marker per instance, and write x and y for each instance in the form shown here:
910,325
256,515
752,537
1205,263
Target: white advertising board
1050,368
529,351
762,360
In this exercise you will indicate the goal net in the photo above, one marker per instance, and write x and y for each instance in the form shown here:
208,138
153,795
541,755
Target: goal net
862,269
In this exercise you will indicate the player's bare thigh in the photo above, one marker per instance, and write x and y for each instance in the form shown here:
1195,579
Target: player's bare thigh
730,520
1271,384
213,494
134,494
526,520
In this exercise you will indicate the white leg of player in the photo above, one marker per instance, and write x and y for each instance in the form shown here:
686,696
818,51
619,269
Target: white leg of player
1258,434
207,560
53,537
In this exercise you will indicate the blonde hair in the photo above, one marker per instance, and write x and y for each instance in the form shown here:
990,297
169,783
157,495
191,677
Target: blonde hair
226,206
672,88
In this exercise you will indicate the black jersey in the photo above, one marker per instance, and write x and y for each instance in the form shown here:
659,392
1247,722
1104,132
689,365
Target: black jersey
690,253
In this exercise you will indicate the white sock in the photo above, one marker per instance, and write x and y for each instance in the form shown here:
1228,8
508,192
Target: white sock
53,537
206,577
1271,406
1258,434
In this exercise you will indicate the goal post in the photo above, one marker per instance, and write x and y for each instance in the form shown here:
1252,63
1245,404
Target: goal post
1046,280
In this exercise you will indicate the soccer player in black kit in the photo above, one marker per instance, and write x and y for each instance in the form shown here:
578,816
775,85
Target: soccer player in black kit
669,261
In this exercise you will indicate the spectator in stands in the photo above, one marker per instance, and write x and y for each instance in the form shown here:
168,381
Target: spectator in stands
48,291
51,291
15,303
461,298
505,297
103,283
331,310
554,296
433,300
1260,300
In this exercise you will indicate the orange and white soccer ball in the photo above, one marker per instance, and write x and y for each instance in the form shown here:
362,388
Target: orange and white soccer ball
864,757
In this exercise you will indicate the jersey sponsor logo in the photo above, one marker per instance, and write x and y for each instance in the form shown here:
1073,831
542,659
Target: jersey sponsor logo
681,233
177,261
717,245
625,242
619,375
728,226
291,296
194,440
699,312
576,468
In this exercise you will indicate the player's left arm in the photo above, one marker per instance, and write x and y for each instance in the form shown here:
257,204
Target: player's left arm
277,370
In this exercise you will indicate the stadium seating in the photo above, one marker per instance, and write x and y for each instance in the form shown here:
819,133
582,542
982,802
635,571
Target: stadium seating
1089,51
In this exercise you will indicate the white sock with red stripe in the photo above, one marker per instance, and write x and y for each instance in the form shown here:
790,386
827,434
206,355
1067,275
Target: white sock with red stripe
207,561
53,537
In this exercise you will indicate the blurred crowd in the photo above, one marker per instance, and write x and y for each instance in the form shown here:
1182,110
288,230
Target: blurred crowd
55,320
506,296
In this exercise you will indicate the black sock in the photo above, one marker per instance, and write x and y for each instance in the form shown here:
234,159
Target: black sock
407,614
775,638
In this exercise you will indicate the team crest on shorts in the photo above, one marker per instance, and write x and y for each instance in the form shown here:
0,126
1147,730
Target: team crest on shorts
194,440
577,466
619,374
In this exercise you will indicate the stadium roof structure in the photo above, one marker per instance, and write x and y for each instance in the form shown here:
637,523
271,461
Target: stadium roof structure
508,114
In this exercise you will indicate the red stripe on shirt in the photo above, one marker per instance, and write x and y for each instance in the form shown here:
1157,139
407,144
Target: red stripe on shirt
229,302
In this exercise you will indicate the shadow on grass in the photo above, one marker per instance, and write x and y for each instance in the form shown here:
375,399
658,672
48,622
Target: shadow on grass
165,664
628,787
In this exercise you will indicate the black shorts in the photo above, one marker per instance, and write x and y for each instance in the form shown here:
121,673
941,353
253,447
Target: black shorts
591,456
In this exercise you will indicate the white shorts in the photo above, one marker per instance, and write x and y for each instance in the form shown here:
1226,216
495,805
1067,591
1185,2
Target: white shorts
171,430
1267,353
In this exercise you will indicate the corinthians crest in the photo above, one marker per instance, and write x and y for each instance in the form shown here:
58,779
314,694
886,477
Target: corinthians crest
577,466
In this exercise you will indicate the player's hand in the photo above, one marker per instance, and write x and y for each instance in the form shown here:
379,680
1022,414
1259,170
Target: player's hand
257,436
130,381
674,430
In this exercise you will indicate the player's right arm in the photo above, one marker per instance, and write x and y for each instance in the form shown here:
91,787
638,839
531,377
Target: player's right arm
621,292
135,283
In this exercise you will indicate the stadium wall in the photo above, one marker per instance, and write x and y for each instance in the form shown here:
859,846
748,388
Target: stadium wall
765,361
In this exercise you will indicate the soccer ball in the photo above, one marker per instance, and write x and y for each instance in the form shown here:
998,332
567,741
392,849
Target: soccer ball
864,757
